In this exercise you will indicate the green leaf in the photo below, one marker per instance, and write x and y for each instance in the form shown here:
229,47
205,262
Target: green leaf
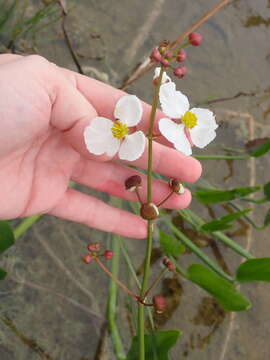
261,150
3,274
157,345
254,270
6,236
216,196
222,290
170,245
222,223
267,218
266,190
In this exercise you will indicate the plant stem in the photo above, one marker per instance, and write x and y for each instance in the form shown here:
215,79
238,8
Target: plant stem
25,225
111,309
156,281
221,157
165,199
150,222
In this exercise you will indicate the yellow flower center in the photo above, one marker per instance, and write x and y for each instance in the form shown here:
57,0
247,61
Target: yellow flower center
189,120
119,130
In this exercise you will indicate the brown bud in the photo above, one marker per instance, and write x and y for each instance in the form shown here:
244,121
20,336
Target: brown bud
159,303
149,211
168,264
176,186
133,182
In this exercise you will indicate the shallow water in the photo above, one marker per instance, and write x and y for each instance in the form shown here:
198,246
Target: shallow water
52,305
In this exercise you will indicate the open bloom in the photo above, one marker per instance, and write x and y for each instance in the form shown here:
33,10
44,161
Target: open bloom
199,124
107,136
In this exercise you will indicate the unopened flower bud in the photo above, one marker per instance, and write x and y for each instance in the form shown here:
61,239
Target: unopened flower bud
108,254
159,303
93,247
155,55
195,38
176,186
87,258
168,264
165,62
163,46
180,71
149,211
181,55
133,182
168,54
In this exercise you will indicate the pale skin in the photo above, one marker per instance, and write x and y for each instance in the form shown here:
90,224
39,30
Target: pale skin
43,112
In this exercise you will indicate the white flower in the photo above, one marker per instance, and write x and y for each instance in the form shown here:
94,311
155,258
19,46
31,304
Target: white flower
165,77
200,123
105,136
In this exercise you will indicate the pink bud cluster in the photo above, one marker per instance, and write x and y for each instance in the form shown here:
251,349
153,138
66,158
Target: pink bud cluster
165,56
94,249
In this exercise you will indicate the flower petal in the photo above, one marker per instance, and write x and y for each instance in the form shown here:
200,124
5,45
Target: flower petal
202,136
173,103
169,129
99,139
165,77
175,133
132,147
128,110
206,119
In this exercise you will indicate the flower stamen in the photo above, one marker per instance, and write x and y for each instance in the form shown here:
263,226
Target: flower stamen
189,120
119,130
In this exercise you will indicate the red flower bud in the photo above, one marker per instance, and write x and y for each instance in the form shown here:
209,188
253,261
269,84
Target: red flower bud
108,254
165,62
168,264
195,39
159,303
87,258
93,247
181,55
149,211
176,186
180,71
155,55
133,182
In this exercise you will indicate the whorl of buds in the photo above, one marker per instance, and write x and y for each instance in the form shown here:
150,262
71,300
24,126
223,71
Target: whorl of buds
93,247
180,71
87,258
195,38
176,186
133,182
159,303
149,211
181,55
108,254
168,264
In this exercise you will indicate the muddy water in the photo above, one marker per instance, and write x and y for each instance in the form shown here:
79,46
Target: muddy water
52,305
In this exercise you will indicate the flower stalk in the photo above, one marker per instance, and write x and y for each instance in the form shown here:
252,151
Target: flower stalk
141,329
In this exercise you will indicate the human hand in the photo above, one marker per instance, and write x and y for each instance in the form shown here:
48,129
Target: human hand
44,110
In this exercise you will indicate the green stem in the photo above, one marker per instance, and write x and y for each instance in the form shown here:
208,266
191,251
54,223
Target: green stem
150,222
112,300
221,157
25,225
247,218
255,201
197,251
196,222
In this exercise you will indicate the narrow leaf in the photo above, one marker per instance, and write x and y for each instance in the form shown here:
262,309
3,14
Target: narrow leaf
267,218
254,270
170,245
222,223
266,190
6,236
3,274
261,150
216,196
157,345
222,290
